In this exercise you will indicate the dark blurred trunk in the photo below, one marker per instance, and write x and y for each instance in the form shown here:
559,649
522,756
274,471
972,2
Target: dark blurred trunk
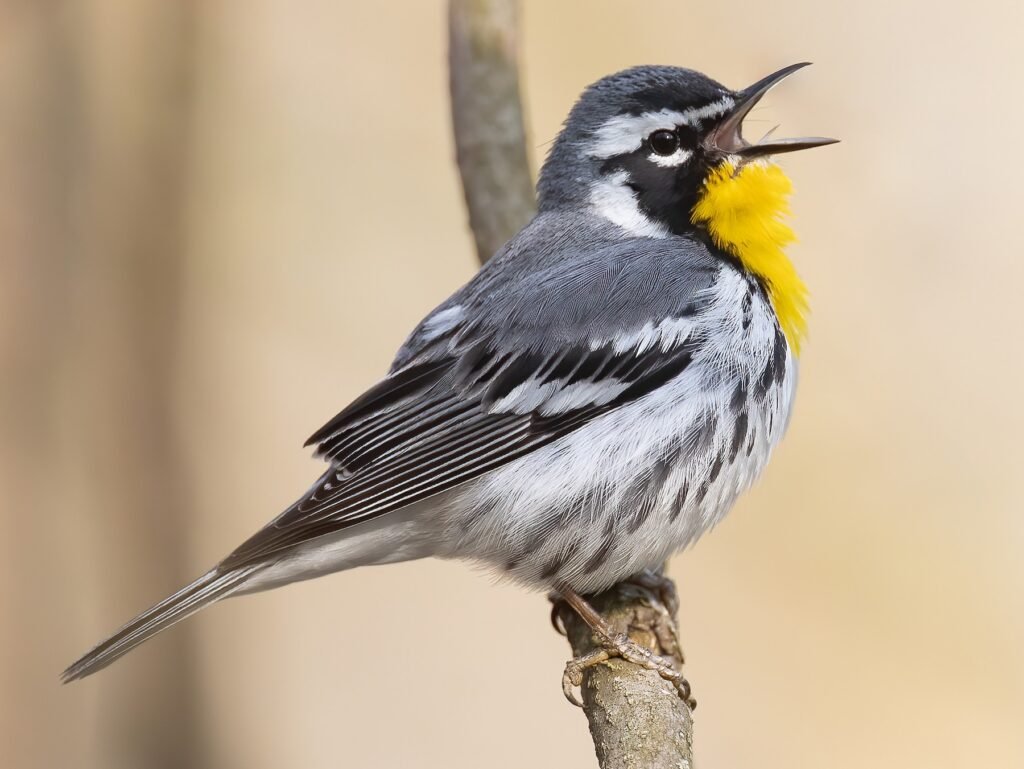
126,273
95,155
36,94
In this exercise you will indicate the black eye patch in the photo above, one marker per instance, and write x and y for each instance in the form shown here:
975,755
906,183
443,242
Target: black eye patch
689,138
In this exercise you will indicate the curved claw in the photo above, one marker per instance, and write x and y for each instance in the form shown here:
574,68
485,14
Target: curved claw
682,686
572,678
556,619
557,602
568,689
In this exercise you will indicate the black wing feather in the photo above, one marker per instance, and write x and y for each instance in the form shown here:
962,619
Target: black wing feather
428,429
407,383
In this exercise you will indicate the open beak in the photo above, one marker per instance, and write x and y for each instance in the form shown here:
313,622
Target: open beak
728,137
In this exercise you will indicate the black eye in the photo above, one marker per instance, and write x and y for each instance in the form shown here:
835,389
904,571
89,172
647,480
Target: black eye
663,142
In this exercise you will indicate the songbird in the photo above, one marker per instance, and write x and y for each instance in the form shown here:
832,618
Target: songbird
594,399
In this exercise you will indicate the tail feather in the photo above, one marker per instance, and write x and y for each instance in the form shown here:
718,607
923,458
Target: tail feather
210,587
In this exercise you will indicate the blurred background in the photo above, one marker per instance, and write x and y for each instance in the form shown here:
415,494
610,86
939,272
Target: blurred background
218,220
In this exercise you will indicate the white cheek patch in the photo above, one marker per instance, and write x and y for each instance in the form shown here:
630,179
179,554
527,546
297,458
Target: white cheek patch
612,199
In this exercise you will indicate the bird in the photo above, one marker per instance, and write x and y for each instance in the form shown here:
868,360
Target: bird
594,399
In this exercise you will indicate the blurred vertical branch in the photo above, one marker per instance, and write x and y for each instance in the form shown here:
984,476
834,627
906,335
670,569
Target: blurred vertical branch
636,719
36,126
487,116
126,254
92,143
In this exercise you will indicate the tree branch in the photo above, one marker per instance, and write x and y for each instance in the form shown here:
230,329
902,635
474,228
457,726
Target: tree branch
637,720
487,117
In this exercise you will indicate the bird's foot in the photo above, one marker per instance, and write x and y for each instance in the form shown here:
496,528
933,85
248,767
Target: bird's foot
659,592
572,678
621,645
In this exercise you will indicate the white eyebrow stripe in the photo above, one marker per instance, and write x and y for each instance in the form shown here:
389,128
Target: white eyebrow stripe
697,115
623,134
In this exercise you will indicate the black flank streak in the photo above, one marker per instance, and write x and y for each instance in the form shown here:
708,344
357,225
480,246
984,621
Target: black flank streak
560,560
639,505
705,486
775,368
765,381
680,501
702,492
781,348
537,537
552,568
698,438
739,433
600,555
738,402
644,495
716,469
747,308
540,534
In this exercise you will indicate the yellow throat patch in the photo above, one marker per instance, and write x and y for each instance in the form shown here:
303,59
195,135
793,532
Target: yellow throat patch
743,211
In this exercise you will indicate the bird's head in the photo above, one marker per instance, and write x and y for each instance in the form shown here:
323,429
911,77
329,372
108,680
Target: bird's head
645,146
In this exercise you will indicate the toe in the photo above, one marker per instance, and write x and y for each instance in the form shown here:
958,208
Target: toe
569,686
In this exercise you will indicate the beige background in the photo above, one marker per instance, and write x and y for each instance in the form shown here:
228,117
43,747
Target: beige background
219,219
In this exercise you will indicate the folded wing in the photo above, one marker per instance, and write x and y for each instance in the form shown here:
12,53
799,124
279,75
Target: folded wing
488,389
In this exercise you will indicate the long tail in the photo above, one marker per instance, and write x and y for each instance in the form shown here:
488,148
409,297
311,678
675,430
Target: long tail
210,587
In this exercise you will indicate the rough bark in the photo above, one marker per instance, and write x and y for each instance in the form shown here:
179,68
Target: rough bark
637,719
487,116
